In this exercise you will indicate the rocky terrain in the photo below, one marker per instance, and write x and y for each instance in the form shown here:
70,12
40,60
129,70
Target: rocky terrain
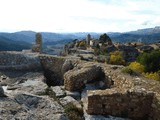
27,97
70,89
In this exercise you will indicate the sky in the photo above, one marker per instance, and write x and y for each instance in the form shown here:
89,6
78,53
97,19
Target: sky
78,15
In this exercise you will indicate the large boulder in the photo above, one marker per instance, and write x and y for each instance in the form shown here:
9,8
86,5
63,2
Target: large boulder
75,79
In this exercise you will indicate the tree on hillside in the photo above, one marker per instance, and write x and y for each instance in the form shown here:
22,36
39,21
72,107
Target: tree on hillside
151,61
105,39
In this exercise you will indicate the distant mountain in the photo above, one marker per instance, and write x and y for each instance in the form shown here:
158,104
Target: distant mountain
48,37
11,45
149,35
18,36
24,39
147,31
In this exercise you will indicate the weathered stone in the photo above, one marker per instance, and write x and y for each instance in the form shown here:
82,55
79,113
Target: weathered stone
1,92
67,65
68,99
100,117
52,69
75,95
27,106
133,104
14,87
58,91
19,61
76,79
33,84
38,46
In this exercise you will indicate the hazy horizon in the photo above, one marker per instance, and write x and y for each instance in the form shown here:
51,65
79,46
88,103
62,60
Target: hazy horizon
71,32
63,16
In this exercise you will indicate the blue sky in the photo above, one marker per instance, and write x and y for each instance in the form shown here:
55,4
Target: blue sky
78,15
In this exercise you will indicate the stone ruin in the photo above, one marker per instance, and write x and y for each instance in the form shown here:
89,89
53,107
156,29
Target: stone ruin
121,95
38,46
88,39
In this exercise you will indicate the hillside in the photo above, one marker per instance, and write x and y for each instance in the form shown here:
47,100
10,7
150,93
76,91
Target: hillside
24,39
149,35
29,36
11,45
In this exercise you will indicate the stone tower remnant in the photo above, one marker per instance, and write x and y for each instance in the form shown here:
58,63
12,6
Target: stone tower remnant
88,40
38,46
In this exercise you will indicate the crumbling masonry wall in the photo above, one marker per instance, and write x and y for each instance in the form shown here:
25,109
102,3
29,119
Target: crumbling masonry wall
11,60
131,97
52,66
131,104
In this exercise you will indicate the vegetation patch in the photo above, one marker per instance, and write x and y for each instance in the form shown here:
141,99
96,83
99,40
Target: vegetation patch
73,112
128,70
152,75
137,67
150,60
116,58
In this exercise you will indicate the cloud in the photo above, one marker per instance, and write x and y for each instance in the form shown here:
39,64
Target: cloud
146,23
78,15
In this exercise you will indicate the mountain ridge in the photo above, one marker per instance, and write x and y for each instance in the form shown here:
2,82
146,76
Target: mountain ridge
147,35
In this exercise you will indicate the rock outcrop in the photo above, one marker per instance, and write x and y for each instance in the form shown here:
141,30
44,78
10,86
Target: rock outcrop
107,91
29,101
26,106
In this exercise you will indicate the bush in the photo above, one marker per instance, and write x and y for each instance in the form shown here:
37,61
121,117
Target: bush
128,70
151,61
116,58
137,67
152,75
73,112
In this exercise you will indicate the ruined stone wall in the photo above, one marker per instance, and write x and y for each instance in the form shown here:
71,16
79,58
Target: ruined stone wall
22,61
130,96
19,61
131,104
52,66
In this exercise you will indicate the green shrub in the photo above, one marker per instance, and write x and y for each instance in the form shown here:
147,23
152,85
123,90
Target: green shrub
128,70
151,61
73,112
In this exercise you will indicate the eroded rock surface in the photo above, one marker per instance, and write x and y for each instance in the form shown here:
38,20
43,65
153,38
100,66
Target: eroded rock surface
76,79
1,92
26,106
29,101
